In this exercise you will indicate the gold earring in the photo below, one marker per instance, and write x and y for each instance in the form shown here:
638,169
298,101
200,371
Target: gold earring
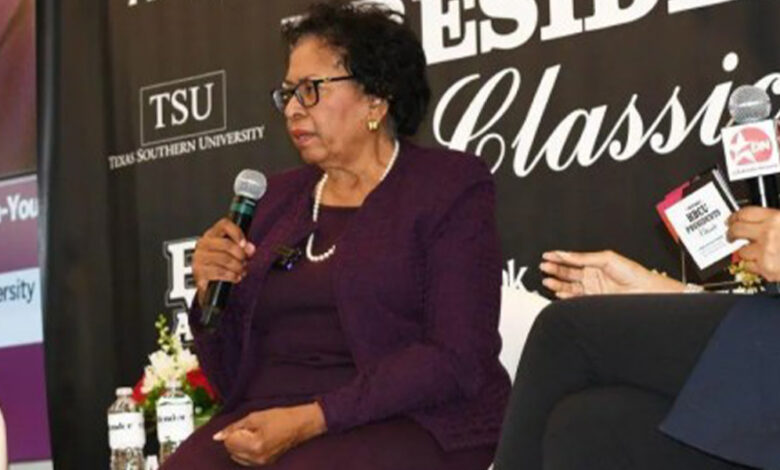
373,125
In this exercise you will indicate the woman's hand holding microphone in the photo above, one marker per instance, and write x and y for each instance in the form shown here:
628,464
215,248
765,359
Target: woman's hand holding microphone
760,226
221,254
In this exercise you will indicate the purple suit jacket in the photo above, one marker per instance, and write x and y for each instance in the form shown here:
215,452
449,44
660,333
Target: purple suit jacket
417,285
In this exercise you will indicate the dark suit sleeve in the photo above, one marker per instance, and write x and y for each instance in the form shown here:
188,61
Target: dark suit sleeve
462,302
217,351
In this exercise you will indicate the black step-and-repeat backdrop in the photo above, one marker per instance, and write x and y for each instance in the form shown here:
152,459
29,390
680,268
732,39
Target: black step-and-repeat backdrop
587,111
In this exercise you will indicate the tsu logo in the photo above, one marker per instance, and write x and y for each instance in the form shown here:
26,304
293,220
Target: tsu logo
181,108
751,145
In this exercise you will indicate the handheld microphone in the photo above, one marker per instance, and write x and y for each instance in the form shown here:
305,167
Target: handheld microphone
249,187
752,152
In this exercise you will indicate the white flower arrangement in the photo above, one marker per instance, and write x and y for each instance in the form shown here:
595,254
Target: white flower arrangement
167,364
174,363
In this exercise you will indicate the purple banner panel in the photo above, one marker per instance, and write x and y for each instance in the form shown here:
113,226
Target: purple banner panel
19,224
23,400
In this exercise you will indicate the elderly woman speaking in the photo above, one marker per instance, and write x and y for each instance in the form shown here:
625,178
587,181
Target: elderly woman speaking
379,349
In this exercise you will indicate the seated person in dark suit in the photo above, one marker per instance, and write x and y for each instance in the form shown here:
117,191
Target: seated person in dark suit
652,381
379,348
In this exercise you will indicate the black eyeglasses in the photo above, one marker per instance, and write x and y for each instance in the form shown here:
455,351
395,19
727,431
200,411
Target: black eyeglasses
307,92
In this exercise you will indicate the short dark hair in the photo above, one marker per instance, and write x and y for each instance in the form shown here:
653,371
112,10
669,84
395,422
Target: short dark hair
382,53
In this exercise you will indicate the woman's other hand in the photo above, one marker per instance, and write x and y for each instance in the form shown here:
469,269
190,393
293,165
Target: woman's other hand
263,436
761,227
574,274
221,254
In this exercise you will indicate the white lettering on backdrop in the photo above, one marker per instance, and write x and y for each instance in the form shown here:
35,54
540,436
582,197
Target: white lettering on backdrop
448,36
18,208
442,22
587,149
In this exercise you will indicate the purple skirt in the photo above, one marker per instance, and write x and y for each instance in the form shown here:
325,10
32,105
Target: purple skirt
395,444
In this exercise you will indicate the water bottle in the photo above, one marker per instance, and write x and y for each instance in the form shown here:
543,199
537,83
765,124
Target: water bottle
126,433
174,419
151,463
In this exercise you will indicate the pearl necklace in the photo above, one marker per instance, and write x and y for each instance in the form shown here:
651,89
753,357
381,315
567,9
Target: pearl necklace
316,211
